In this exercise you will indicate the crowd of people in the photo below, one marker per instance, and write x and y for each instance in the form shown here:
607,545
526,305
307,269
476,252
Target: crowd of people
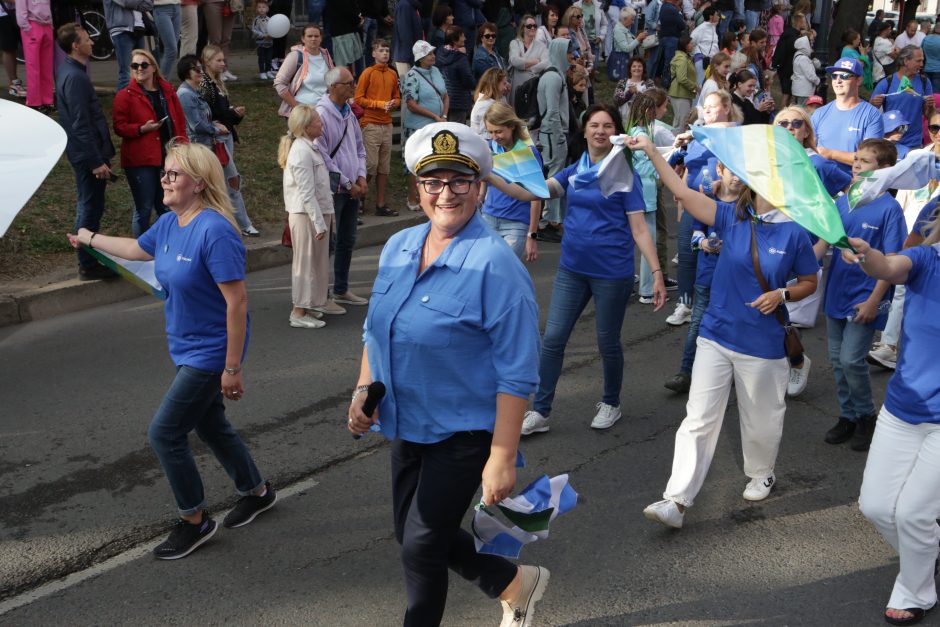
474,80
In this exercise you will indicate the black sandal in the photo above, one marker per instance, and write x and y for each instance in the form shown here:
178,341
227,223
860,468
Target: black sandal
385,212
917,615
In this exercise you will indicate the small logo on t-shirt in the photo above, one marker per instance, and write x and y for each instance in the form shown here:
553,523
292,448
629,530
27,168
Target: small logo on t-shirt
182,258
853,129
866,225
776,251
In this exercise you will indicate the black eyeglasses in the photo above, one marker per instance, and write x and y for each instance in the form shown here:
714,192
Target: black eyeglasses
345,83
842,76
169,175
489,36
933,128
143,65
531,26
794,124
436,186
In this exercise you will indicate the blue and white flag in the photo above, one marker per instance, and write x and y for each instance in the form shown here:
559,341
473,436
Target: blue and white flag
914,171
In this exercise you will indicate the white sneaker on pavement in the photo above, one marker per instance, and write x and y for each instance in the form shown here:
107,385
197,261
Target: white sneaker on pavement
520,611
349,298
606,416
307,322
228,76
330,309
884,355
681,315
759,489
665,512
534,422
799,377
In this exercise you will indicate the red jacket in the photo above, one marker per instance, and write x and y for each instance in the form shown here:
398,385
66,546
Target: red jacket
132,109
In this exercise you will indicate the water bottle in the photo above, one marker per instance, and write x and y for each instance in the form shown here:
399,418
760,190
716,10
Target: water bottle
714,242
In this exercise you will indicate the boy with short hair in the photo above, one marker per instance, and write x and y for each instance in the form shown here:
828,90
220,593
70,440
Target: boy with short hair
378,94
857,305
259,30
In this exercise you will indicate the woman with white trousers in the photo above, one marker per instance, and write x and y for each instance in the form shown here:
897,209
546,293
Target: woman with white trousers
902,476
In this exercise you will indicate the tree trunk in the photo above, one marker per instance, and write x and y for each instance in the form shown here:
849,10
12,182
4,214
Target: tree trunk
908,14
851,14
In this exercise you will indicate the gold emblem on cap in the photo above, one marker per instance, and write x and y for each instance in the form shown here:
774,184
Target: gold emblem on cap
445,146
444,143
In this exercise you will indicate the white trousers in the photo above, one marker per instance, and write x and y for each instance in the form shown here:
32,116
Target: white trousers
901,497
892,332
761,387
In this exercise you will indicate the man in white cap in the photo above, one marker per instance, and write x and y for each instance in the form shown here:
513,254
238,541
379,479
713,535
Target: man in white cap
449,292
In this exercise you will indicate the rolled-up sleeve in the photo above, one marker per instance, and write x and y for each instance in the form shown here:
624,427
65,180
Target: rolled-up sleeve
515,355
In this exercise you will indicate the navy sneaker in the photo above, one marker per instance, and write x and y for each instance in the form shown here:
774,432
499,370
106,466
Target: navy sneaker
250,506
186,538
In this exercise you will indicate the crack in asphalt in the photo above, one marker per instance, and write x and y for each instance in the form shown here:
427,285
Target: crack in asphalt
362,548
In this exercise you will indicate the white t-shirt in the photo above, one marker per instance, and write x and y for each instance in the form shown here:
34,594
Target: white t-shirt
314,85
902,40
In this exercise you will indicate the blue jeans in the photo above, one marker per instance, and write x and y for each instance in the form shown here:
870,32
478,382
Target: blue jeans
688,259
646,274
347,216
751,19
315,11
89,208
703,294
934,78
653,61
513,232
124,43
849,344
570,295
724,23
235,195
167,18
669,46
148,195
739,12
194,401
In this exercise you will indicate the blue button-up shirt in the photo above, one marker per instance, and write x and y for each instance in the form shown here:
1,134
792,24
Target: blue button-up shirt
445,343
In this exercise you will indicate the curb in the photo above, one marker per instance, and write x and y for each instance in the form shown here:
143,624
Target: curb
74,295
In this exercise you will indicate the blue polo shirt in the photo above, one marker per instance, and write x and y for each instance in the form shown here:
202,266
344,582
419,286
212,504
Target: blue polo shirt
881,224
845,130
696,158
913,393
445,343
598,240
833,177
784,250
498,204
910,105
189,261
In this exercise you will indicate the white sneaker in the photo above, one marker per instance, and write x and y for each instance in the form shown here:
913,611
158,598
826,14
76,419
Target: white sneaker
413,206
349,298
534,422
307,322
665,512
251,231
681,315
228,76
330,309
606,416
759,489
799,377
520,611
263,76
884,355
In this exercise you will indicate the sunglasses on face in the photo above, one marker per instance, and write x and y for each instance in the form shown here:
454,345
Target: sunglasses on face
143,65
531,26
933,128
489,36
842,76
794,124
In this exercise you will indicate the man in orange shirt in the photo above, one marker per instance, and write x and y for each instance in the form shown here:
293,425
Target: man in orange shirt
378,93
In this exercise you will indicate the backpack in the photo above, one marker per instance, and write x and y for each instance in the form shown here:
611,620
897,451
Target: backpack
526,101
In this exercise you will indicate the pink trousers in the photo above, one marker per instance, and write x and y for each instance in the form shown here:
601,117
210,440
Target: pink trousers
38,50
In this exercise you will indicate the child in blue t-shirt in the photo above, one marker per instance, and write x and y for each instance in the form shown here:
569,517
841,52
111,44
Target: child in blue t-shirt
857,305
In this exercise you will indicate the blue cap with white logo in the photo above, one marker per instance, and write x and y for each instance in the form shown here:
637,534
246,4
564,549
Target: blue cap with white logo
892,120
847,64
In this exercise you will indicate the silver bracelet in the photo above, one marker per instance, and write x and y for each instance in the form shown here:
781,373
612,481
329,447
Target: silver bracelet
359,390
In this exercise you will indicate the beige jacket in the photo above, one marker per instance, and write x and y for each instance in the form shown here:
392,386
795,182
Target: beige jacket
307,183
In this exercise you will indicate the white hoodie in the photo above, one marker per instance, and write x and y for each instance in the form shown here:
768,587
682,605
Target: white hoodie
804,69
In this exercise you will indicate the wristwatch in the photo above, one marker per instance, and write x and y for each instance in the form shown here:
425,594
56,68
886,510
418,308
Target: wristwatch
784,294
534,235
233,371
347,185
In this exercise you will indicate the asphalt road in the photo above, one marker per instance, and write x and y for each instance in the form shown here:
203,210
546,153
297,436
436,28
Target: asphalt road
80,485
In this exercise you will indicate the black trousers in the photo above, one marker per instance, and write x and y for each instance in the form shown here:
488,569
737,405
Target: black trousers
432,487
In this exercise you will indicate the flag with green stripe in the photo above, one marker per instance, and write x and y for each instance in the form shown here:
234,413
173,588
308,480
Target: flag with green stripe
774,165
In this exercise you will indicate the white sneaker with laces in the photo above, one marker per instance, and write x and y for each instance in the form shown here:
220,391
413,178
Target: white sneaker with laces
520,611
681,315
884,355
606,416
307,322
534,422
349,298
228,76
799,377
665,512
759,489
330,309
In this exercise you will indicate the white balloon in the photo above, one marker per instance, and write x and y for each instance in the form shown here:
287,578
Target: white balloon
32,144
278,25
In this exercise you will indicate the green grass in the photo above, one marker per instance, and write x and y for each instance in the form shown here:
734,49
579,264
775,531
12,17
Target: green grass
36,243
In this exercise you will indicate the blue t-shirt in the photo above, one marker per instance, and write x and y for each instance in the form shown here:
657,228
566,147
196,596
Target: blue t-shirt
189,261
833,177
881,224
598,240
705,265
447,341
925,217
783,249
498,204
845,130
913,393
910,105
902,150
696,158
